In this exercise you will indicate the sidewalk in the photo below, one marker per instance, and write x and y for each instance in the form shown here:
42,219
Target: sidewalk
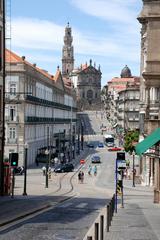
38,197
140,217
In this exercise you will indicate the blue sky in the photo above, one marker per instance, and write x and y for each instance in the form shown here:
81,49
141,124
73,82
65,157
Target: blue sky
105,31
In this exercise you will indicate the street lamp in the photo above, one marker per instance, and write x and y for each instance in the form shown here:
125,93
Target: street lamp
47,153
133,154
25,170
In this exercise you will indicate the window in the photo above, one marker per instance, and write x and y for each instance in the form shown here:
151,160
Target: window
13,88
89,94
12,112
12,133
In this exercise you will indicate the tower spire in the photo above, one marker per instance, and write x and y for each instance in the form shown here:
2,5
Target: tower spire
67,52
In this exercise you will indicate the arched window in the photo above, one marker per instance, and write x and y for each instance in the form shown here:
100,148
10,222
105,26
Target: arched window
89,94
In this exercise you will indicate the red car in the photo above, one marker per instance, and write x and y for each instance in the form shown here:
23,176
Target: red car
112,149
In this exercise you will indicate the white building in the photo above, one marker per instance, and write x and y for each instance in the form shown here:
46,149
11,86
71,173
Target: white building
39,108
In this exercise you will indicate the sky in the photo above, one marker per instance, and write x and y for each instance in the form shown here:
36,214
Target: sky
105,31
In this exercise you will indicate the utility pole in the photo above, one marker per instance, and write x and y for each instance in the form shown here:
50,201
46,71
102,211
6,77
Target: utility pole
2,103
71,134
133,153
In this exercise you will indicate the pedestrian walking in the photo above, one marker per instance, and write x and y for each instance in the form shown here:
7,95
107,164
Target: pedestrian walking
44,170
95,170
90,170
79,176
82,177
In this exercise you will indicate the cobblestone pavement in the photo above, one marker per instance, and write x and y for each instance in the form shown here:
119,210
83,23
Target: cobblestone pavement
140,217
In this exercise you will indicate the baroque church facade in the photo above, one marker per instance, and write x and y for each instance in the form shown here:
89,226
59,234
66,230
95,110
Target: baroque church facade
86,79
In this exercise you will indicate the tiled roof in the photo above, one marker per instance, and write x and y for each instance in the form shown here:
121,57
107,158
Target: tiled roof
14,58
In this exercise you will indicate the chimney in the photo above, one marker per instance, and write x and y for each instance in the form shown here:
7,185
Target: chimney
23,58
34,64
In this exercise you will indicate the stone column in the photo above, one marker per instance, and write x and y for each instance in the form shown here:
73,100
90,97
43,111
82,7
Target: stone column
157,182
151,171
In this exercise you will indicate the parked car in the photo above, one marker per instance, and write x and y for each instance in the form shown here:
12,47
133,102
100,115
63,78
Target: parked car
96,159
112,149
100,145
66,167
90,145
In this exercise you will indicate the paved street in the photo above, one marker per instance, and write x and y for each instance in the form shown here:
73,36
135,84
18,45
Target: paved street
68,209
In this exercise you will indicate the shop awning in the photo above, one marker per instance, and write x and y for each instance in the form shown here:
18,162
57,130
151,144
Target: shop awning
148,142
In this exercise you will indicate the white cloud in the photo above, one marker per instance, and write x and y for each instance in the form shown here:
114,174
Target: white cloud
36,34
45,35
42,41
115,10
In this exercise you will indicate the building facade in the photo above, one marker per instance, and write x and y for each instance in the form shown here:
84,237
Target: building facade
121,101
2,73
150,87
40,110
87,82
128,107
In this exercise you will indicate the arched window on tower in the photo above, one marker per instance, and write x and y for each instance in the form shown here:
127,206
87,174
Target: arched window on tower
89,94
90,81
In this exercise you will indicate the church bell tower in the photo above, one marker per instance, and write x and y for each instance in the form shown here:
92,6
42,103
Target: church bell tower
67,52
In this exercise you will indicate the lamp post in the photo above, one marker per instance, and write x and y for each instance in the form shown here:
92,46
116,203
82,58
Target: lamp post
25,171
133,153
78,140
47,154
82,137
2,101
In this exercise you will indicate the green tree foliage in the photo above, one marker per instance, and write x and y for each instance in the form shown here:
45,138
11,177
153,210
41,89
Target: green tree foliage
129,139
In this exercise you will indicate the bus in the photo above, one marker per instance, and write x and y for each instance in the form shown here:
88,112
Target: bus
108,140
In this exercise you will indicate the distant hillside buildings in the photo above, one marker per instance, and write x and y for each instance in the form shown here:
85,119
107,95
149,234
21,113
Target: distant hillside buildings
121,101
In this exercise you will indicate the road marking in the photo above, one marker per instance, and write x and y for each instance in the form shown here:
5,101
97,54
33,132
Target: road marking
82,205
66,204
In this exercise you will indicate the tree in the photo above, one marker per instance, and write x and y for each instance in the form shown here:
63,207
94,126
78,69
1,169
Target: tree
130,138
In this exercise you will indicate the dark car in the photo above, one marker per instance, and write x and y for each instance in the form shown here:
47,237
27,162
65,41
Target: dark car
100,145
96,159
67,167
90,145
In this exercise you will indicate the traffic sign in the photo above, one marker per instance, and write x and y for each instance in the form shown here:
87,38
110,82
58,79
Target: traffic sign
121,164
82,161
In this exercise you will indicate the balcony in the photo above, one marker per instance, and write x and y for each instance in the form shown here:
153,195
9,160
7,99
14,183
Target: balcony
9,119
12,140
49,103
48,120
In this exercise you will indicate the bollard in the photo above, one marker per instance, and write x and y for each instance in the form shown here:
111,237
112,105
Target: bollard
96,231
112,206
110,213
101,227
113,203
89,238
107,218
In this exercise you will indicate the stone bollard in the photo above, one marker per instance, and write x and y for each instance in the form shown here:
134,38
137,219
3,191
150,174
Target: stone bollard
110,213
101,227
108,218
89,237
96,231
